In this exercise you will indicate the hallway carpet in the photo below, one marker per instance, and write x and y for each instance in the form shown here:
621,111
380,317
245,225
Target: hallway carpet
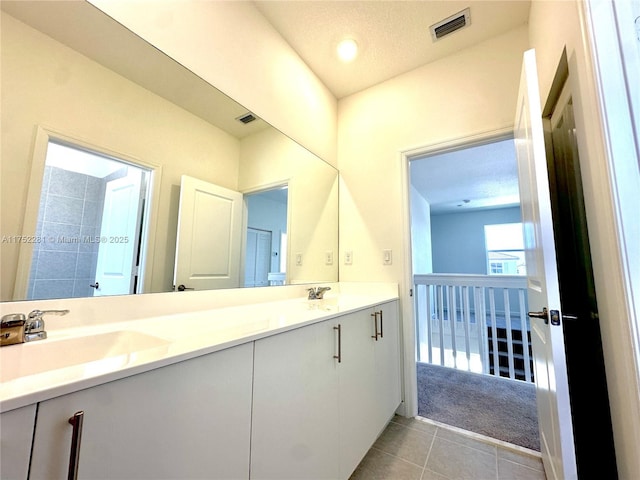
496,407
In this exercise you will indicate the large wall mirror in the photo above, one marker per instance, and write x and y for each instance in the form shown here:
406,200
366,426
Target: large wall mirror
100,131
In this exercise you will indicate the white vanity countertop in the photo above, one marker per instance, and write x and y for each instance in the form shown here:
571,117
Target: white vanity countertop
91,353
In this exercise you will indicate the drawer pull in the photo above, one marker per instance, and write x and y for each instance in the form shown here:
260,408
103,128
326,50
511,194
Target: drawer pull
375,325
339,356
76,438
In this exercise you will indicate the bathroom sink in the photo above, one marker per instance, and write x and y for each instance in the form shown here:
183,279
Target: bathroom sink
52,354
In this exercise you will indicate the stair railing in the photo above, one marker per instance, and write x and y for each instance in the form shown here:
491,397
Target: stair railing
474,322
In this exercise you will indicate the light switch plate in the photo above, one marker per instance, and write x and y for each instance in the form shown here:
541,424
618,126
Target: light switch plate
298,259
348,257
328,258
386,257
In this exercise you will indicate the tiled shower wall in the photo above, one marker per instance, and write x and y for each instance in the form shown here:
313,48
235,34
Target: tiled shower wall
64,262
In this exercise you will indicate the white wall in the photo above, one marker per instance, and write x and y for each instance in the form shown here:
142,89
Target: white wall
465,94
458,239
233,47
270,158
471,92
421,244
552,26
46,83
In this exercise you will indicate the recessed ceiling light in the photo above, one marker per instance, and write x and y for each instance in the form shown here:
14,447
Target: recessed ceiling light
347,50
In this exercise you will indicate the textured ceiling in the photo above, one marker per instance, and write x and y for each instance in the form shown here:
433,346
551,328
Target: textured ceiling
489,178
393,36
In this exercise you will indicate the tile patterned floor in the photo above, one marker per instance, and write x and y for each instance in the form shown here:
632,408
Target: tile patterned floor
417,449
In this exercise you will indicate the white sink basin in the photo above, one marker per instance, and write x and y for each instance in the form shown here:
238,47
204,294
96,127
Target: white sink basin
52,354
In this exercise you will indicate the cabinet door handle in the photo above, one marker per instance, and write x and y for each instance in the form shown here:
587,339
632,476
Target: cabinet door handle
339,356
375,325
76,438
381,324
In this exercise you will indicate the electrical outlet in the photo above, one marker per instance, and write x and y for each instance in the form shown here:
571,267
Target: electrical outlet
328,258
298,259
386,257
348,257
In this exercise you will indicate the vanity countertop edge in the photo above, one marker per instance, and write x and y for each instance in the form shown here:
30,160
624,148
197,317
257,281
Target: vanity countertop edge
180,336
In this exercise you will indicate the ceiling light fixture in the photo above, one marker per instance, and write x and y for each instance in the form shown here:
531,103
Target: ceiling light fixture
347,50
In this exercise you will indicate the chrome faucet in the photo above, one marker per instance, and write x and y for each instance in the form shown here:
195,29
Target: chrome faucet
317,293
16,328
34,328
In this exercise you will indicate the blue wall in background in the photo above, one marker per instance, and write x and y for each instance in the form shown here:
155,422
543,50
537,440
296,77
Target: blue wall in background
457,239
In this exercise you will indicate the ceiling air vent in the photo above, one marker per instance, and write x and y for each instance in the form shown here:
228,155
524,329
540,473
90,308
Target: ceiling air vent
246,118
450,25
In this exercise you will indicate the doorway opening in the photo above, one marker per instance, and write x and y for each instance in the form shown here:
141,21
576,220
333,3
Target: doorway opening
90,223
266,252
470,291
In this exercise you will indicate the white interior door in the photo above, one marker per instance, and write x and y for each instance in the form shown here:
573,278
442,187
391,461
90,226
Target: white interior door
258,258
115,268
554,410
209,242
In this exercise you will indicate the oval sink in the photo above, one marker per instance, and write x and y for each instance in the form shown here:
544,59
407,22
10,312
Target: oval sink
52,354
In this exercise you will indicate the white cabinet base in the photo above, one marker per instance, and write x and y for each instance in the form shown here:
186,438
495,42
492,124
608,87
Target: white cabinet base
16,432
187,420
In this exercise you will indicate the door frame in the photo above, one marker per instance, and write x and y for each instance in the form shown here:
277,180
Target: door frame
286,182
409,406
44,135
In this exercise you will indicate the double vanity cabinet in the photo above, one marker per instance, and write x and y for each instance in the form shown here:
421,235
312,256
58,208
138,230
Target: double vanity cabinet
303,402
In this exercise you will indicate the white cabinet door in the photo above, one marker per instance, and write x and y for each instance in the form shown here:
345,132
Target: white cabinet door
369,380
295,405
187,420
358,402
315,417
16,432
387,363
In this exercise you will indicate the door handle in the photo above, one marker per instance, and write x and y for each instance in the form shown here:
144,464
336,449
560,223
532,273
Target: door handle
182,288
545,314
95,285
76,438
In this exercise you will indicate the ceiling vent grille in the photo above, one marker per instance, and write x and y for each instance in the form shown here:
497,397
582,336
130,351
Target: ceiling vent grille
450,25
246,118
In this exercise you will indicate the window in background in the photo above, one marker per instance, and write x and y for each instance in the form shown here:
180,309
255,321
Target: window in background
505,249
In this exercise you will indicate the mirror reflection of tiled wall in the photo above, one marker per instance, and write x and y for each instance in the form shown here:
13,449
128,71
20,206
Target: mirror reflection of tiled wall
70,210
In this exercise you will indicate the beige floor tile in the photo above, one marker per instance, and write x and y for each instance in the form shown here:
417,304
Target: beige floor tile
510,471
466,440
411,449
459,462
378,465
522,458
409,444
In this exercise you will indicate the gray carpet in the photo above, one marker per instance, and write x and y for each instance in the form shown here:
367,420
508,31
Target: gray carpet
495,407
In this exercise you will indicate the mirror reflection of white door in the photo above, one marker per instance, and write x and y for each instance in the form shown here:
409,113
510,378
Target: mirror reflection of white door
258,258
554,409
116,264
209,243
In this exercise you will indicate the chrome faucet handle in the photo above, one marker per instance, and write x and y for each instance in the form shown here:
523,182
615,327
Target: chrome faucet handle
316,293
40,313
35,322
320,292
